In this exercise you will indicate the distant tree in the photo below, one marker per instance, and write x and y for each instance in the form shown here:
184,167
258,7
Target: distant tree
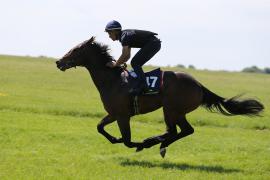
42,56
180,66
191,67
252,69
267,70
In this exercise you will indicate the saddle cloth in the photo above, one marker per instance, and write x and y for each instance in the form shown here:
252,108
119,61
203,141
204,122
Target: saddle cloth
153,79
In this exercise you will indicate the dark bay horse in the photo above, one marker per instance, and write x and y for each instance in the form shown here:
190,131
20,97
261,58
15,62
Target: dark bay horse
179,95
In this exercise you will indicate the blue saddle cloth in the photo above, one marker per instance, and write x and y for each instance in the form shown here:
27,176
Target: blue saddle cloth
153,79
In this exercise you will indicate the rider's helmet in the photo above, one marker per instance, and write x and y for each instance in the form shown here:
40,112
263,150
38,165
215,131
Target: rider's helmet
113,25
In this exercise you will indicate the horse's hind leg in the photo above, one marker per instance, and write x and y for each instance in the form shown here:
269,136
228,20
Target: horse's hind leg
170,131
186,129
170,118
151,141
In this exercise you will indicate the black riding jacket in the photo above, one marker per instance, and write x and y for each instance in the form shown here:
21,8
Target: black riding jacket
135,38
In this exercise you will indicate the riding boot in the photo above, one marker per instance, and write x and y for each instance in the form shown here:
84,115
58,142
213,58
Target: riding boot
141,85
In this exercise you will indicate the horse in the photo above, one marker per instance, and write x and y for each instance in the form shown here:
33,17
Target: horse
180,94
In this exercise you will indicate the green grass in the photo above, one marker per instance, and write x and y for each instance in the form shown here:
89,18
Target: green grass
48,130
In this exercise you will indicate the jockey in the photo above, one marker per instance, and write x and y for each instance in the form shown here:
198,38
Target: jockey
148,43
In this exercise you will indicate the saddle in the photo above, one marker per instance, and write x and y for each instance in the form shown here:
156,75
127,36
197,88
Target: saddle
154,80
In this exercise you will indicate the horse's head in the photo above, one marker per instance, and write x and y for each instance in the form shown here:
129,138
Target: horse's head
76,56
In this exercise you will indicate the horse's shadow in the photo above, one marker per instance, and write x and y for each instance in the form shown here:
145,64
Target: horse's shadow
176,166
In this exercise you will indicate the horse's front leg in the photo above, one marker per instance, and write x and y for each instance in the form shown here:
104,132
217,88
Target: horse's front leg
100,127
124,126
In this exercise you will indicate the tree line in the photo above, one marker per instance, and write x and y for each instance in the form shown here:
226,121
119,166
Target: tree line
252,69
255,69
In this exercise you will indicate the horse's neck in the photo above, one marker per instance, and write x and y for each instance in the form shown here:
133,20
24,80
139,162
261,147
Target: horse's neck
104,79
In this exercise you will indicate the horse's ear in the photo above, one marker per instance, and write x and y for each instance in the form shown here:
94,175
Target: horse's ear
91,40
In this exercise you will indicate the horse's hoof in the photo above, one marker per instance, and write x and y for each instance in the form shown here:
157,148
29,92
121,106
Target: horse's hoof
162,152
139,149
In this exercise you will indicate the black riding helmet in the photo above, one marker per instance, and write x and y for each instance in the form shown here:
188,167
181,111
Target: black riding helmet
113,25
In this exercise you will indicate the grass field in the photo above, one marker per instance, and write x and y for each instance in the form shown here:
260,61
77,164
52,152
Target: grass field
48,130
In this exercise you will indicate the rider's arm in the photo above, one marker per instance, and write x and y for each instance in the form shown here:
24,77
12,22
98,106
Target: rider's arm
124,56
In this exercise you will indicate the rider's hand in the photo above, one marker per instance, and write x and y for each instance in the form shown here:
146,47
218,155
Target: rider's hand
111,64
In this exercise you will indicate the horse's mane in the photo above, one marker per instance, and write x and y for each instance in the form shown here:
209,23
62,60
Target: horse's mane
100,48
103,49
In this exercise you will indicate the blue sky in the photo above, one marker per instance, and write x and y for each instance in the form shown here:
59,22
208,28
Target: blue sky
209,34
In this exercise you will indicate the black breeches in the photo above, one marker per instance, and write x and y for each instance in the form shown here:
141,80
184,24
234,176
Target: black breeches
144,55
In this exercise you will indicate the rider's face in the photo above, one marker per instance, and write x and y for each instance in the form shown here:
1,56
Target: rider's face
112,35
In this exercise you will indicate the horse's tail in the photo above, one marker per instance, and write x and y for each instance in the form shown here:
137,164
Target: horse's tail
232,106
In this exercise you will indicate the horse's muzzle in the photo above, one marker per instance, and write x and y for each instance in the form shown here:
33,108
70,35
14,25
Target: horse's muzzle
61,65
